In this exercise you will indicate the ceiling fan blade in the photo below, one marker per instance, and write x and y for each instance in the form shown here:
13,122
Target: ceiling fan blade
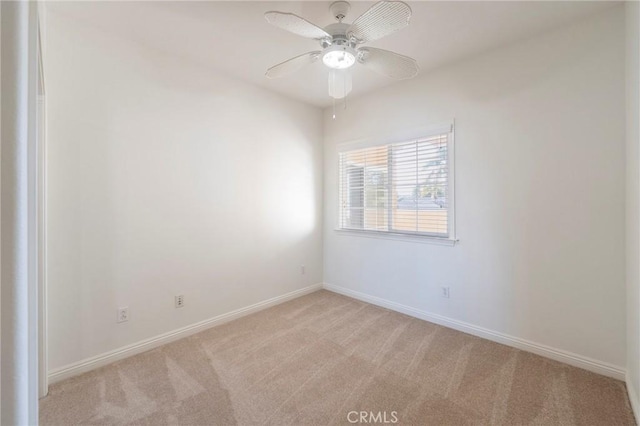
388,63
292,65
382,19
295,24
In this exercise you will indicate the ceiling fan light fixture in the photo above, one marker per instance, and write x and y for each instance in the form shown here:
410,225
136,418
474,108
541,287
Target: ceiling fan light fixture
339,57
340,43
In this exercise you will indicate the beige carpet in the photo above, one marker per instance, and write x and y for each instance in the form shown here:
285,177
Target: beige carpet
318,358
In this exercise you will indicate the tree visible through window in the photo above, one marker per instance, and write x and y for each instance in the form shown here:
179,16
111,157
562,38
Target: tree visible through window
402,187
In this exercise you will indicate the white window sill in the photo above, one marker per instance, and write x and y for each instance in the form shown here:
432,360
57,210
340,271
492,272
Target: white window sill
423,239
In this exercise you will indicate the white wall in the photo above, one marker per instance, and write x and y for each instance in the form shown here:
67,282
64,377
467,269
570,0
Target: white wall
540,192
633,202
167,179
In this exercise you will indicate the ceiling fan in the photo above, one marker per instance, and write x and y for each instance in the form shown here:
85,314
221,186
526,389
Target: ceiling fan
340,43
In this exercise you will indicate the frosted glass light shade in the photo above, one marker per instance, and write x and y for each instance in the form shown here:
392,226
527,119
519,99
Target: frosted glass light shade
339,83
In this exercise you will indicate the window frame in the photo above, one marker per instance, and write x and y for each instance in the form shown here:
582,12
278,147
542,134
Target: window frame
400,137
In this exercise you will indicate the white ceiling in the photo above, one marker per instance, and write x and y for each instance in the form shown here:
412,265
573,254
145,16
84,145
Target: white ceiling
233,38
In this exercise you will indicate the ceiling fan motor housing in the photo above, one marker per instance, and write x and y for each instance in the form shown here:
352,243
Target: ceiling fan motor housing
339,36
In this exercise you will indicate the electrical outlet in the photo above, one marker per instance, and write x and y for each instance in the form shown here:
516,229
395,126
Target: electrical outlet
444,292
123,314
179,301
303,269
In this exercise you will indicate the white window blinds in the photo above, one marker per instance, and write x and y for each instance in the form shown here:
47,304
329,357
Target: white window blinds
400,188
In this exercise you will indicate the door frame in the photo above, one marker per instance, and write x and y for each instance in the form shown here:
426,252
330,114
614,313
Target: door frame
41,215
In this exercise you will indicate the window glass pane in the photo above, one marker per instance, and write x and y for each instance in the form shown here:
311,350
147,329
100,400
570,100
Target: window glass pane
376,188
355,218
400,187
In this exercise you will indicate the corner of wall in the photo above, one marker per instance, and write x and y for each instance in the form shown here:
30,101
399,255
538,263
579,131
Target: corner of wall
633,397
632,24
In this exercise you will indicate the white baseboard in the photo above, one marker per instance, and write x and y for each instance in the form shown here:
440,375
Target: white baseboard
147,344
633,399
576,360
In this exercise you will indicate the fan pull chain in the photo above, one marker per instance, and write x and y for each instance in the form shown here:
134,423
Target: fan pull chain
334,107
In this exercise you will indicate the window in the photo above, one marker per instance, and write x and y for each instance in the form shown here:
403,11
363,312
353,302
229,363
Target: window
400,188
